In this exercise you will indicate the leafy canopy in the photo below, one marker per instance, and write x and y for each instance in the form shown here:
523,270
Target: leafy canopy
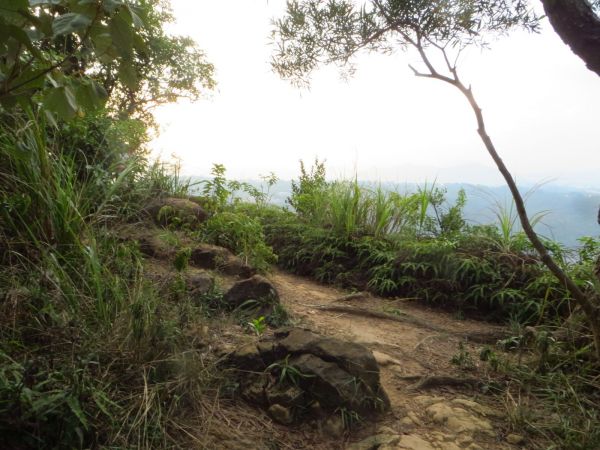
71,56
314,32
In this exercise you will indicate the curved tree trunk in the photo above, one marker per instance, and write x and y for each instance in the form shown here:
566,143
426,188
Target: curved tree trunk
578,26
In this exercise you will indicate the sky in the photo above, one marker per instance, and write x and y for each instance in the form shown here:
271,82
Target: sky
542,109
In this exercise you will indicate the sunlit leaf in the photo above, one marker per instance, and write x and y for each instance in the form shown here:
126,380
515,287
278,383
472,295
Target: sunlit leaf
70,23
61,101
128,76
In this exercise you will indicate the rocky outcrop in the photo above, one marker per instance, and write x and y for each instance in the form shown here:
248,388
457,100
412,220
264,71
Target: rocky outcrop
213,257
256,288
310,375
176,211
199,283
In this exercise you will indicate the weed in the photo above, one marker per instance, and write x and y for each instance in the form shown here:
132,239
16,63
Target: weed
463,359
258,325
182,258
286,372
350,419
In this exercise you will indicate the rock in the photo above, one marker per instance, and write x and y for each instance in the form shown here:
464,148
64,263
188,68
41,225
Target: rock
171,210
253,390
414,442
255,288
333,427
199,283
213,257
330,385
281,414
247,358
354,358
411,419
285,395
458,419
316,410
343,372
474,406
375,442
515,439
313,373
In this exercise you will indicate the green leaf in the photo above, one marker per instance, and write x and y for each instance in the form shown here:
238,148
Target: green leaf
70,23
110,6
14,5
90,95
61,101
128,76
121,32
135,18
102,40
76,409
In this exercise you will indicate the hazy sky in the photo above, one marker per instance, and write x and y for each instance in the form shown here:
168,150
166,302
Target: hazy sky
541,104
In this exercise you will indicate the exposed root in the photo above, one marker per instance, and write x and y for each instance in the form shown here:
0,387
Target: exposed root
434,381
476,337
354,296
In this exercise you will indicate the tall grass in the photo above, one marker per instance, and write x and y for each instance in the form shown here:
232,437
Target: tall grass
91,353
352,209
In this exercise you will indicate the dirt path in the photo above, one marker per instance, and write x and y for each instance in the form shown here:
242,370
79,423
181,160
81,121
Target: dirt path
413,343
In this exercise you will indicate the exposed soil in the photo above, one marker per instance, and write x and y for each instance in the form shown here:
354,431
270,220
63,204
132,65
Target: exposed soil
407,350
435,404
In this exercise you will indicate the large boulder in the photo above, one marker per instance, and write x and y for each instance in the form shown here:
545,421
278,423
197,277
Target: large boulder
310,375
213,257
255,288
171,210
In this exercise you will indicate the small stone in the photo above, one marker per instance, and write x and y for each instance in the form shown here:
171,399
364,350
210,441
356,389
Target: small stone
406,422
316,410
415,418
333,426
515,439
384,359
281,414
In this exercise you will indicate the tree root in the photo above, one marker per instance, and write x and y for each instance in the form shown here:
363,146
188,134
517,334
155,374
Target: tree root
477,337
434,381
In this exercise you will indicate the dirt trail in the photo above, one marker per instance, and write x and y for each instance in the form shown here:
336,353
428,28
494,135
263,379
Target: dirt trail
419,343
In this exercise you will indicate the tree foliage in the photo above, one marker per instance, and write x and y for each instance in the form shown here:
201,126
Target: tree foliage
70,56
315,32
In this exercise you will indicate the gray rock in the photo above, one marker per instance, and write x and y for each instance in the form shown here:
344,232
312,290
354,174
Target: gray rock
213,257
199,283
354,358
247,358
255,288
309,369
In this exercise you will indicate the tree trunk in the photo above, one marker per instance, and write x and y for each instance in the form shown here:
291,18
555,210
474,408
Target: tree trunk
578,26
